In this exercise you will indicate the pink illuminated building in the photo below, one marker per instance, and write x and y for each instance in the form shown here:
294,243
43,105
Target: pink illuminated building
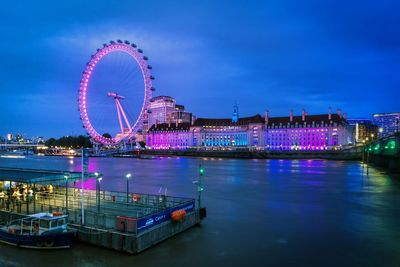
169,136
305,132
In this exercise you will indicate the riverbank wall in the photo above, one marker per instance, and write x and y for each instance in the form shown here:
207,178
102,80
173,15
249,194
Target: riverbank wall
330,155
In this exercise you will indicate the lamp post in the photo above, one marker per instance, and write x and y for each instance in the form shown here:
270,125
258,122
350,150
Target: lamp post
199,184
98,180
66,193
128,176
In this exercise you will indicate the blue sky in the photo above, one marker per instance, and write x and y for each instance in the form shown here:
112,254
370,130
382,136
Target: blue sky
276,55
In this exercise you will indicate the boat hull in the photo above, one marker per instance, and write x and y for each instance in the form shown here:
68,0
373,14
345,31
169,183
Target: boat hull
51,241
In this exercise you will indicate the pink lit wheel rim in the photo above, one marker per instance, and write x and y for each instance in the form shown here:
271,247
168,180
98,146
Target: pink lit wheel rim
137,54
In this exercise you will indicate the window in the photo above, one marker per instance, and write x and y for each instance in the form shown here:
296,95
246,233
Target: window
44,224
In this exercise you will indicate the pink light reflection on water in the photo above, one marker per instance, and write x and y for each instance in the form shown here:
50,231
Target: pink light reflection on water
90,183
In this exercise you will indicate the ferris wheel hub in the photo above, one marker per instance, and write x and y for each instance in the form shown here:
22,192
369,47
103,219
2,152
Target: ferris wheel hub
115,95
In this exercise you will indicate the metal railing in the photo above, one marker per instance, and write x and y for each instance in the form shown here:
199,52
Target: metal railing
100,207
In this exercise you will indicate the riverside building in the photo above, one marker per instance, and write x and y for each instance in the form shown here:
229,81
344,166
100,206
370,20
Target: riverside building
363,130
305,132
388,123
163,109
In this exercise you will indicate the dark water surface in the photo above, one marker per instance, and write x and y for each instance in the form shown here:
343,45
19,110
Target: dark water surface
260,213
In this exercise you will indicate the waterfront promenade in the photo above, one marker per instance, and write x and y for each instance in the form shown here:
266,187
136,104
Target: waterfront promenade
245,153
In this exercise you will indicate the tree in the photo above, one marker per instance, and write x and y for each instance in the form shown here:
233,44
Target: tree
107,135
50,142
70,141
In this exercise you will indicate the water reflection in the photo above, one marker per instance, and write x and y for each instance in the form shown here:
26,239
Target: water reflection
260,212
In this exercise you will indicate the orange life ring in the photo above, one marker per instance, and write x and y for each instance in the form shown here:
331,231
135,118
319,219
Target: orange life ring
178,215
57,213
11,230
136,197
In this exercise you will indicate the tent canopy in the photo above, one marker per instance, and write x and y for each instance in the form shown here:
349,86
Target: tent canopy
32,176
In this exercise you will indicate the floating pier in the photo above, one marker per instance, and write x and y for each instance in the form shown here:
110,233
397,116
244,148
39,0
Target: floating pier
122,221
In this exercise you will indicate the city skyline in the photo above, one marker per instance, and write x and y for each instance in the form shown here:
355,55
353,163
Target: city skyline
297,55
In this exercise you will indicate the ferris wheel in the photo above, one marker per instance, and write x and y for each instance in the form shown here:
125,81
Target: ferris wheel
115,92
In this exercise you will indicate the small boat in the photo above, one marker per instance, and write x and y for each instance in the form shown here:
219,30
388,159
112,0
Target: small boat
38,231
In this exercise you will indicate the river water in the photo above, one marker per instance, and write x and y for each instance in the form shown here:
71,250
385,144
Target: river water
259,213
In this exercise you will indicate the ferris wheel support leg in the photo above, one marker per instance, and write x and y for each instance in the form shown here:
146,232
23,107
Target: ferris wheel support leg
124,116
119,116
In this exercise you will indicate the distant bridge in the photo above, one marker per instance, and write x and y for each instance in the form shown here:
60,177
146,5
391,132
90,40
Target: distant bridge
384,152
20,145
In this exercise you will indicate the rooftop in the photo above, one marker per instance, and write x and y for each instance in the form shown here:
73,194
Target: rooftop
170,127
162,97
309,119
228,122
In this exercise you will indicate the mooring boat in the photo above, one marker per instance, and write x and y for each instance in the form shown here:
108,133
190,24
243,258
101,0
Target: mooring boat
38,231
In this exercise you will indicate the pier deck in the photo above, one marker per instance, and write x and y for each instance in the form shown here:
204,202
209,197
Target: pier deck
125,222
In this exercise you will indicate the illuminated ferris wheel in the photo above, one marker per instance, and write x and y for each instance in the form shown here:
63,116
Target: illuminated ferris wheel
114,93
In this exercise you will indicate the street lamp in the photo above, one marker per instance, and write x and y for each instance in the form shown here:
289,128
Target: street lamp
98,180
66,193
199,184
128,176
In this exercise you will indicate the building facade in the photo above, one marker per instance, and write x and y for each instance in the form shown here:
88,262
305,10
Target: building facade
160,110
305,132
235,132
180,115
388,123
363,130
169,136
163,109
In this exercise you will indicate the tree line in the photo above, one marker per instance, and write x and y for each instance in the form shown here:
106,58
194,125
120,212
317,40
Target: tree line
70,141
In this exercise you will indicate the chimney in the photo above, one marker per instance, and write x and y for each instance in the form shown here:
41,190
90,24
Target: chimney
156,123
266,117
339,112
345,116
176,123
303,114
291,115
329,113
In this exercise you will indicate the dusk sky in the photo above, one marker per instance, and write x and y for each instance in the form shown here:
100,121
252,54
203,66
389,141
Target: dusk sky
276,55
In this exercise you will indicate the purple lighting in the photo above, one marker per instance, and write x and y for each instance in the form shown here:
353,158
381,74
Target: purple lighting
147,77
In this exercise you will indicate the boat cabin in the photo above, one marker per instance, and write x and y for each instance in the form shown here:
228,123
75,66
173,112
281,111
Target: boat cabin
39,224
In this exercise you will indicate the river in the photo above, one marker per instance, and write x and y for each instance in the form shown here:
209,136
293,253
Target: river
259,213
